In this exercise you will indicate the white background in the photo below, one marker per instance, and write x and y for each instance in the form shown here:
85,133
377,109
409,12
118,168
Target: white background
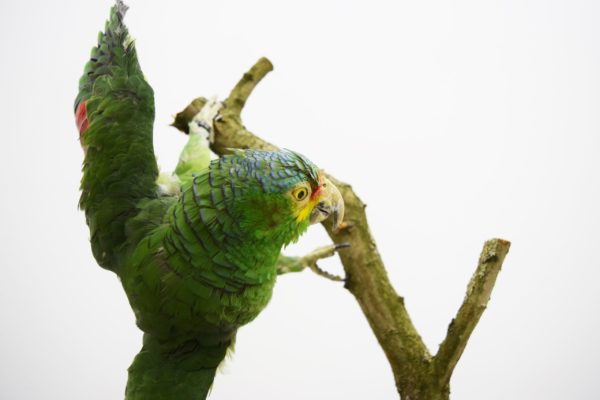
454,121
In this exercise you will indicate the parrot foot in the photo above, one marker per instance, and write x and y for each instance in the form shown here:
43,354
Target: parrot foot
346,225
202,123
297,264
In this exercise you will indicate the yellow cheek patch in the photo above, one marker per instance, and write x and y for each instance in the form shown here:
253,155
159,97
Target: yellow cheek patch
304,212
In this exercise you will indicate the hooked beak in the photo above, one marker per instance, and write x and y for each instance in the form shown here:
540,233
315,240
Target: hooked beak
330,203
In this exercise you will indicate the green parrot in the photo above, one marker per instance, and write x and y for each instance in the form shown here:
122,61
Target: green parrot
196,262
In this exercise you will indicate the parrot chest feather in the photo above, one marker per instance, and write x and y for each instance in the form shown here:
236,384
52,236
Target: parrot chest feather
216,289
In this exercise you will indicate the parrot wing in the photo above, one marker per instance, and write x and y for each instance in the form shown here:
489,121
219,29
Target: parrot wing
114,112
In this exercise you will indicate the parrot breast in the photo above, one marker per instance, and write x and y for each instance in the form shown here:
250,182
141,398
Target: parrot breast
218,246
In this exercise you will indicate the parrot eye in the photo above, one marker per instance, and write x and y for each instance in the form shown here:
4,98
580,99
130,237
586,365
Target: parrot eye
300,193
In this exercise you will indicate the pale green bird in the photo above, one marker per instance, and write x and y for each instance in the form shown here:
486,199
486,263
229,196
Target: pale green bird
196,154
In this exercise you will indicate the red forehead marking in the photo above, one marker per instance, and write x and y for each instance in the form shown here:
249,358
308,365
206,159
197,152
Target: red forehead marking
317,190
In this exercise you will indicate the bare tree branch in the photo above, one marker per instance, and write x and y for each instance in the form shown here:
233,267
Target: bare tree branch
475,302
418,375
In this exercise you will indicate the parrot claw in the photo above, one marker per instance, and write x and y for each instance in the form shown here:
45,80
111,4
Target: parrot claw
332,277
202,123
311,259
346,225
297,264
344,245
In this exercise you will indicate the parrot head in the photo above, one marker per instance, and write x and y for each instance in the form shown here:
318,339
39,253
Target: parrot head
277,195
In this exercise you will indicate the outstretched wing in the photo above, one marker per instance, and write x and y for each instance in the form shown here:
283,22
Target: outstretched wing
114,112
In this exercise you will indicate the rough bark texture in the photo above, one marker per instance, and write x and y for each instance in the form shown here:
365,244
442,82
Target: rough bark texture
418,374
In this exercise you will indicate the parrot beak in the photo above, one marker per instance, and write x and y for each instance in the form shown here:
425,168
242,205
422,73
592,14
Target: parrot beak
330,203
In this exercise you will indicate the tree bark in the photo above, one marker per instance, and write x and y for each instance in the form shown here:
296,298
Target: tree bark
418,374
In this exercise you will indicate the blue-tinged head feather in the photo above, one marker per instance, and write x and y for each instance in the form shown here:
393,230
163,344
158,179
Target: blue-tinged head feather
272,171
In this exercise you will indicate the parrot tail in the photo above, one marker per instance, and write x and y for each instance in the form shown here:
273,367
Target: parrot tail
183,372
